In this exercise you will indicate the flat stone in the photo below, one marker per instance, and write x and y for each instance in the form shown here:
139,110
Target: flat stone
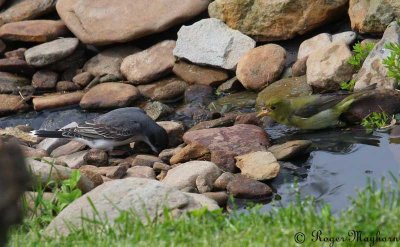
194,74
255,75
211,42
66,86
44,80
39,31
69,148
74,160
109,95
51,52
150,64
57,100
17,54
42,172
145,160
49,144
147,198
26,10
232,85
193,176
235,102
16,66
258,165
108,62
278,19
242,187
94,26
164,90
289,149
12,104
328,67
30,152
373,71
141,172
228,142
191,152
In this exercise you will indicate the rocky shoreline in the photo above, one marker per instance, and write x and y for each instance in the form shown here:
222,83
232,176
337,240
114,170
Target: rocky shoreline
201,84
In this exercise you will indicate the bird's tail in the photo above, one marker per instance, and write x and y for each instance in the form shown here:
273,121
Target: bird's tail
48,133
345,104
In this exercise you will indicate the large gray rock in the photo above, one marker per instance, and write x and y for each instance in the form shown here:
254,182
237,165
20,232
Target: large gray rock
211,42
193,176
51,52
372,70
147,198
102,22
109,61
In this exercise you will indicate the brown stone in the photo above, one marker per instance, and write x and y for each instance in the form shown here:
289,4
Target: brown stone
125,21
69,148
17,54
66,86
290,149
194,74
256,75
113,172
258,165
109,95
16,66
221,197
299,68
141,172
175,131
44,79
27,10
158,166
83,79
145,160
191,152
96,157
56,100
92,175
163,90
11,104
30,152
223,180
33,31
242,187
150,64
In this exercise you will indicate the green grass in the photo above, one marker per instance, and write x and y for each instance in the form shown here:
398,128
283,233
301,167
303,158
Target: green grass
373,210
392,62
360,53
376,120
348,86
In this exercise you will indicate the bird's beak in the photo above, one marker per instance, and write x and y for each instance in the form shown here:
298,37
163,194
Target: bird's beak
264,112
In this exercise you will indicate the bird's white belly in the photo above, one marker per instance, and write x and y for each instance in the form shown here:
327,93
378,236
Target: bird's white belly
105,144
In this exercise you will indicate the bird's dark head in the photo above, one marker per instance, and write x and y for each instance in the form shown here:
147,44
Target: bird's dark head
275,108
159,140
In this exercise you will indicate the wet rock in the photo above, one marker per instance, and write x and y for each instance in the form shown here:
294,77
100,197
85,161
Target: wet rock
377,101
230,86
16,54
51,52
194,74
242,187
148,198
83,79
141,172
21,10
276,20
258,165
175,131
222,181
74,160
372,17
191,152
328,67
228,142
92,175
372,70
44,80
309,46
12,104
199,94
16,66
299,68
225,121
56,100
255,75
211,42
69,148
96,157
33,153
66,86
145,160
156,110
221,197
164,90
109,95
39,31
290,149
249,118
234,102
108,62
151,64
42,172
193,176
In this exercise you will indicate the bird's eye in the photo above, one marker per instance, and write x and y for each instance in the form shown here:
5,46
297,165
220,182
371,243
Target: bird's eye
273,107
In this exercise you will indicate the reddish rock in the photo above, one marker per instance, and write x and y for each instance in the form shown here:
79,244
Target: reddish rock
66,86
82,79
17,54
12,104
299,68
56,100
141,172
69,148
242,187
33,31
96,157
16,66
163,90
27,10
44,79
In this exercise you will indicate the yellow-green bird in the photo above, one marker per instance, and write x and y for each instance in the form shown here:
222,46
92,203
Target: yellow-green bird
318,111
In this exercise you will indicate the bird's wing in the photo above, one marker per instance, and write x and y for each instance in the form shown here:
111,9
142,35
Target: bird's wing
93,130
310,106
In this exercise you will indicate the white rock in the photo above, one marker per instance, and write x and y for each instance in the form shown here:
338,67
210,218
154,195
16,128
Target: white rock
258,165
347,37
311,45
211,42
